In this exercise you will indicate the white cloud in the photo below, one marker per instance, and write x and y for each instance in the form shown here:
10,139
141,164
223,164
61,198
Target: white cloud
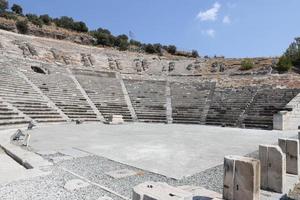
210,14
226,20
209,32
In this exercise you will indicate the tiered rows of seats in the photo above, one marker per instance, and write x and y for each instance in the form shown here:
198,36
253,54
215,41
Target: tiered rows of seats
188,101
265,104
61,89
228,105
148,99
104,89
15,90
9,116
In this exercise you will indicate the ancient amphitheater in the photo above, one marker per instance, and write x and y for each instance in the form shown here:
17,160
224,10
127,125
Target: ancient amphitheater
182,117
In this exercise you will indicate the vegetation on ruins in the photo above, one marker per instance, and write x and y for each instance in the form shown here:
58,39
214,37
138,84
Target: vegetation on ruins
22,26
247,64
102,36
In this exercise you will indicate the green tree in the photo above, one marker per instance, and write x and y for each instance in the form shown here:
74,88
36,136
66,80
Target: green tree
17,9
195,54
247,64
149,48
80,27
46,19
3,5
172,49
284,64
22,26
135,43
34,19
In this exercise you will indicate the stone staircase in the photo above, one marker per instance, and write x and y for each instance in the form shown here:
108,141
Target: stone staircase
104,89
16,91
266,103
227,106
58,86
148,99
9,116
188,101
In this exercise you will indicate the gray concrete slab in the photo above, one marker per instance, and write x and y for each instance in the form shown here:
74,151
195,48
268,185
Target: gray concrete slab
172,150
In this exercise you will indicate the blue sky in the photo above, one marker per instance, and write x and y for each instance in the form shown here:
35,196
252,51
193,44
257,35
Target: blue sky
234,28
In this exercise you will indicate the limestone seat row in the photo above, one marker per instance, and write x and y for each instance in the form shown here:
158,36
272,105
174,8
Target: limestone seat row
148,99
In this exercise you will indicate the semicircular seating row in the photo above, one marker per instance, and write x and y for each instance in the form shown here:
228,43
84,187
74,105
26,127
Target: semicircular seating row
57,98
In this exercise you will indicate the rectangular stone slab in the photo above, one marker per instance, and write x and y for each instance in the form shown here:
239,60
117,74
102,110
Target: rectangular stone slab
273,170
291,149
241,178
159,191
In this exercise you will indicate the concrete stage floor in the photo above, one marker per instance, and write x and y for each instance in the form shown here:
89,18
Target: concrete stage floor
172,150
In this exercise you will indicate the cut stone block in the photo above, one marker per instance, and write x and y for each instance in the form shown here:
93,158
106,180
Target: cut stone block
159,191
121,173
273,170
291,149
241,178
200,193
116,119
75,184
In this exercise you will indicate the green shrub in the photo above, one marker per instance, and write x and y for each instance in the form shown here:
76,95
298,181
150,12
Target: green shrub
34,19
284,64
135,43
247,64
195,54
69,23
3,5
17,9
172,49
22,26
46,19
9,15
149,48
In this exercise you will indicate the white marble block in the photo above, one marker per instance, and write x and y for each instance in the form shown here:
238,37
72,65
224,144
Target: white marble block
273,168
291,149
159,191
241,178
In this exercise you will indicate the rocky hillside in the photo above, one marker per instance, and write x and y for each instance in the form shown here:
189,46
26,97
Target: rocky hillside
37,51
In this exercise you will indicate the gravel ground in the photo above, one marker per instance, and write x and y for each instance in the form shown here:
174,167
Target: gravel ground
93,168
50,187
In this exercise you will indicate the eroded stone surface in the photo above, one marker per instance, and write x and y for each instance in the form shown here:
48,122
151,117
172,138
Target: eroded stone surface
273,170
241,178
291,149
75,184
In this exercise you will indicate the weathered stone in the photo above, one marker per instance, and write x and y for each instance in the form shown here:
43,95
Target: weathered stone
273,170
75,184
121,173
116,119
159,191
291,149
241,178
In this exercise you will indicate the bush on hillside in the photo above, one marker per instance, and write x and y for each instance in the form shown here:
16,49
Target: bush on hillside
171,49
46,19
34,19
9,15
17,9
247,64
3,5
135,43
284,64
22,26
69,23
195,54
